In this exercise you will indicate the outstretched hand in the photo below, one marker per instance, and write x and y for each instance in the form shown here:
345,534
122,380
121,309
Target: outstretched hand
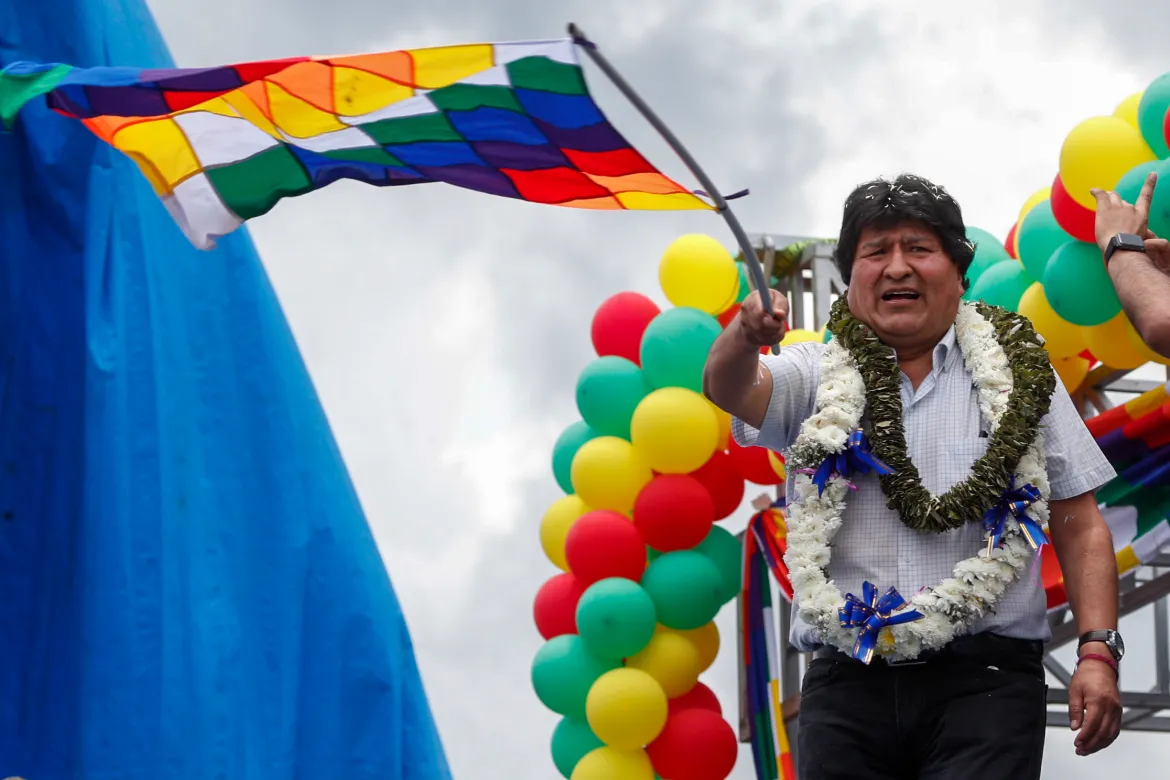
1115,216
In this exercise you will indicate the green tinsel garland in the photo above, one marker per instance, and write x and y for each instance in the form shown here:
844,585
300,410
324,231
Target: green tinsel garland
1033,382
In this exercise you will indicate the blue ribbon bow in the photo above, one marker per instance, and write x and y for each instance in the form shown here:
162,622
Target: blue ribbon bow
871,614
856,458
1014,503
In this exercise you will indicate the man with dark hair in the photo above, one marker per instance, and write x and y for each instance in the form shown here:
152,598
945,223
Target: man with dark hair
928,445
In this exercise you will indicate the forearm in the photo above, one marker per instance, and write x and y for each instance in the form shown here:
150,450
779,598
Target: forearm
1084,547
1144,292
733,377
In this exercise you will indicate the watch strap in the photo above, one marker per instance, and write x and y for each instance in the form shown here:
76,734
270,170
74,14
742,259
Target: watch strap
1100,635
1105,636
1127,242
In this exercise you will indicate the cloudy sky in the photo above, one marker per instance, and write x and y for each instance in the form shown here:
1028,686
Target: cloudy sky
445,329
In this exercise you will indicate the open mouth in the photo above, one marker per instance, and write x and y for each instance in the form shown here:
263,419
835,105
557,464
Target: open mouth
900,295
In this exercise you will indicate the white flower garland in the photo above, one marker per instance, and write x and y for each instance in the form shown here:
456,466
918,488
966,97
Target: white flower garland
977,583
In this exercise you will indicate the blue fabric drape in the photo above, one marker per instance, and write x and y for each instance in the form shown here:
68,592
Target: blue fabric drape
188,586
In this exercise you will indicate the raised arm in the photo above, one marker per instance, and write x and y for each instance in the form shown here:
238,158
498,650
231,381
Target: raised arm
1144,291
734,379
1140,275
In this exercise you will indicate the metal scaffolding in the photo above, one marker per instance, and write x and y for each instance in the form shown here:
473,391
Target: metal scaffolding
813,275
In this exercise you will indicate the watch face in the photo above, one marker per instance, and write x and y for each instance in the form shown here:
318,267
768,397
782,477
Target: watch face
1117,643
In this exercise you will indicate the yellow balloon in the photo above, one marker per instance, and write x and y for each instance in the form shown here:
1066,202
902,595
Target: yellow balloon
1072,371
626,708
724,420
670,658
798,335
1097,153
1110,343
676,429
1143,349
607,763
608,473
1127,110
555,525
698,271
706,640
1061,337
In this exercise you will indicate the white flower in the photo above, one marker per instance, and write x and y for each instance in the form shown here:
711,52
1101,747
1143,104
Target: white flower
977,583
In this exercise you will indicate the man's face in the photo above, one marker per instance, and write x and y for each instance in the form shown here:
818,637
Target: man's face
904,286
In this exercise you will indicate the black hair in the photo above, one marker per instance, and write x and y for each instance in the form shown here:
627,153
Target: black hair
885,204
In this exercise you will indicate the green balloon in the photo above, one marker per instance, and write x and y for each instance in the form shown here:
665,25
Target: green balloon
686,588
572,740
608,391
675,347
1040,235
565,449
745,287
1152,115
1003,284
726,552
989,250
1131,185
615,618
564,671
1078,287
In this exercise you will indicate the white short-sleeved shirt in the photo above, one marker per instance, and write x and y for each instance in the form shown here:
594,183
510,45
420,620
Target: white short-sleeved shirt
945,435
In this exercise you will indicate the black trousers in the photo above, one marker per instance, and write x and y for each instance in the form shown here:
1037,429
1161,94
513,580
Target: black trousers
974,710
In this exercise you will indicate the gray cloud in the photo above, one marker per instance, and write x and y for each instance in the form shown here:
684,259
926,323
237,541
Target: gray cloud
445,329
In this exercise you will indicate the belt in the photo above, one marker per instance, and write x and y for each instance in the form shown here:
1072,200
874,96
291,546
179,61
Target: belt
973,646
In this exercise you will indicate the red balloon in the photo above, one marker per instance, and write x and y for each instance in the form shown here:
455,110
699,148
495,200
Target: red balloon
674,512
695,744
724,484
698,698
753,464
555,608
726,317
1076,220
619,323
603,544
1009,243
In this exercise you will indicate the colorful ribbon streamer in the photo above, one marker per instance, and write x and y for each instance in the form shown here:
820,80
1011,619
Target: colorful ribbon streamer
761,659
1014,503
871,614
857,458
769,536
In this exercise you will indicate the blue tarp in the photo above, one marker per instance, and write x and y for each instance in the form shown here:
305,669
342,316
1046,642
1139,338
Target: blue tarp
188,586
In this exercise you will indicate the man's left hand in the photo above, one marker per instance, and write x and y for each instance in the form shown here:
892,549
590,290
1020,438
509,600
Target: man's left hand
1094,706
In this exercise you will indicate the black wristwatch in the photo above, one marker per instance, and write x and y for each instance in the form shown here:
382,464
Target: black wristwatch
1124,242
1107,637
